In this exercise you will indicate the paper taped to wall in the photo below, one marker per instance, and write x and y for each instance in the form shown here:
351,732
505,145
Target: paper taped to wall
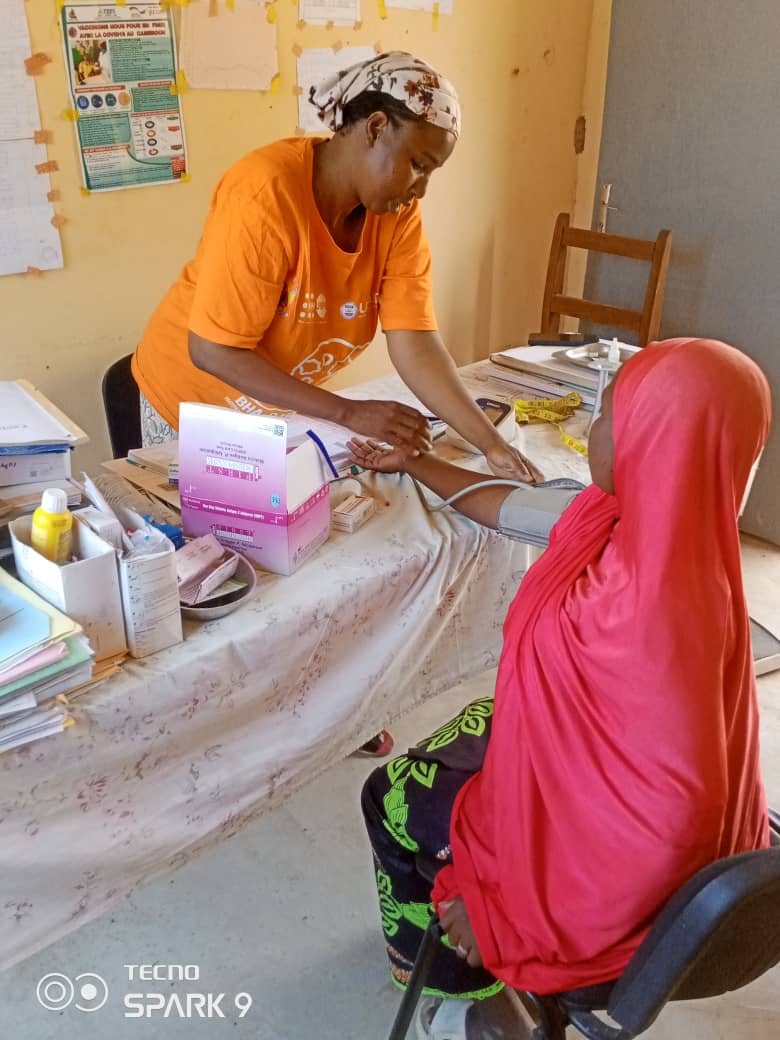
122,73
27,236
316,64
18,103
235,51
28,240
336,12
440,6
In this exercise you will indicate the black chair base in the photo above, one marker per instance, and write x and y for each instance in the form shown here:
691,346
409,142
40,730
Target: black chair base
414,988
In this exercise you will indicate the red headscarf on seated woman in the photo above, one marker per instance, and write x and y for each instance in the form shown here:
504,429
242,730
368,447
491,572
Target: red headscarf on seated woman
624,751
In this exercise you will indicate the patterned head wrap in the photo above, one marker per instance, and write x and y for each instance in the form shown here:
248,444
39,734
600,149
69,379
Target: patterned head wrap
407,79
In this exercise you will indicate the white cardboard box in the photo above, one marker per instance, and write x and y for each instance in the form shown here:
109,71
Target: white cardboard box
86,590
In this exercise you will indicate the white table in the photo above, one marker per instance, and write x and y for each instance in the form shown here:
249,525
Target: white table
185,748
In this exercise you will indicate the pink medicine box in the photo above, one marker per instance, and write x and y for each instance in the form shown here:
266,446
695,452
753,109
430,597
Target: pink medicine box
241,481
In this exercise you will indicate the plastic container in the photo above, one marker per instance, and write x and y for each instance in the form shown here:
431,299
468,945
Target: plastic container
52,523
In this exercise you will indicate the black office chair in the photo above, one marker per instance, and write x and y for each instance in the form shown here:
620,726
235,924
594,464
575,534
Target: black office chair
719,932
122,402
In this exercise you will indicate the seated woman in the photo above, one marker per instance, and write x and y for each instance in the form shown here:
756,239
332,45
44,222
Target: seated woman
623,753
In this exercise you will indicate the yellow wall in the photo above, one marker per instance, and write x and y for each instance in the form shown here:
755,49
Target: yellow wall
520,67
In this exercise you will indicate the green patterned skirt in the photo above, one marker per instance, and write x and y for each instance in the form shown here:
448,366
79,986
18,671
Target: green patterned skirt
407,807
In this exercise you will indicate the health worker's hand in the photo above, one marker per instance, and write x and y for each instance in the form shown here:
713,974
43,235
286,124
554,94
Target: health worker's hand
510,464
391,422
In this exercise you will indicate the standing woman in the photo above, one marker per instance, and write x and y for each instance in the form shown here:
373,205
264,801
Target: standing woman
308,244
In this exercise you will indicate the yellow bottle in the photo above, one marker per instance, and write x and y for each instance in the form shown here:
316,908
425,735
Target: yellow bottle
51,526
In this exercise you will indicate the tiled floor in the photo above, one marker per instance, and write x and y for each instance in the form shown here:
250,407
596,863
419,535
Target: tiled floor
286,912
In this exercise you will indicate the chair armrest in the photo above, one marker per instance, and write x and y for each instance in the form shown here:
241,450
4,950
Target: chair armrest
593,1028
774,826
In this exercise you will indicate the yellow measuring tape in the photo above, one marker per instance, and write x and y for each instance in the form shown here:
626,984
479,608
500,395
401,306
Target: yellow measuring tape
553,410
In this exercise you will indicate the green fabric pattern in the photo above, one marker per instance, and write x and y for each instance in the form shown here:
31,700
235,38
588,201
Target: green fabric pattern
417,914
399,771
477,994
470,722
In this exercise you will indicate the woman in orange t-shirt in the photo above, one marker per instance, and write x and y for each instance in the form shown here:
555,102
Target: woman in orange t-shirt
308,244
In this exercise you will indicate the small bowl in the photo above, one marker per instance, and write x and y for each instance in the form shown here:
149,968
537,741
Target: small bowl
244,572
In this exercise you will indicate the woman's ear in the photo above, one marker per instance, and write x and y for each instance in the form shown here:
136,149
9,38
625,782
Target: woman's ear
376,125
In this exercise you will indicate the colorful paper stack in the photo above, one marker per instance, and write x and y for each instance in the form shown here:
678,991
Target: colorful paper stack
44,657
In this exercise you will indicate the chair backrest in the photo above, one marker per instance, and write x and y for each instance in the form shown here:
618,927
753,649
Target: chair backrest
720,931
646,321
122,402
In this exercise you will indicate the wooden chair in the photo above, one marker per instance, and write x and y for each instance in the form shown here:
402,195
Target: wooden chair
645,322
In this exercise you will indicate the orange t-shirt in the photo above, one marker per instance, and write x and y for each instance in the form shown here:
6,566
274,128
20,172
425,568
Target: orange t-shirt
267,276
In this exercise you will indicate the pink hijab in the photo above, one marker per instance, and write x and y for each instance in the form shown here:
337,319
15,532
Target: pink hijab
624,754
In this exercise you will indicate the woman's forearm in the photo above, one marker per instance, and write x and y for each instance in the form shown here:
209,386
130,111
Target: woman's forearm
424,364
264,382
481,504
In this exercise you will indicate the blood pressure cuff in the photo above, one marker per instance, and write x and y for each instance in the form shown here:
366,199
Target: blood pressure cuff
528,514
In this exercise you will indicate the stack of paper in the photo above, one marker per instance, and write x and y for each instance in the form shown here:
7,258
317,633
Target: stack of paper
161,458
43,655
536,369
36,439
153,471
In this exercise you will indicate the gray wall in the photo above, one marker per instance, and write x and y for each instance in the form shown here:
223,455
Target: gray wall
692,142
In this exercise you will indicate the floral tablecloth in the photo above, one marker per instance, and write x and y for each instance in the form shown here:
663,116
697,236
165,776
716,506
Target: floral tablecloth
185,748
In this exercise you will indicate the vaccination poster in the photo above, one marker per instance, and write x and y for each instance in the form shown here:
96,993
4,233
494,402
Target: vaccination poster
121,61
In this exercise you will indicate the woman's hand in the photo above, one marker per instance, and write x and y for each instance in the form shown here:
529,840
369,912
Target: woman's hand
510,464
371,455
455,922
389,421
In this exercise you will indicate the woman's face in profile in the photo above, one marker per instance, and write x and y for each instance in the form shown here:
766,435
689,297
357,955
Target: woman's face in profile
601,444
399,160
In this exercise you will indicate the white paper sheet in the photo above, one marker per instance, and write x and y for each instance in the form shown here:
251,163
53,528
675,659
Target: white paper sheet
234,51
30,420
18,103
320,12
27,237
315,65
445,6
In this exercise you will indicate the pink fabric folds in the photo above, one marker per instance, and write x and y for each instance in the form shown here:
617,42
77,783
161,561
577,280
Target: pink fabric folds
624,754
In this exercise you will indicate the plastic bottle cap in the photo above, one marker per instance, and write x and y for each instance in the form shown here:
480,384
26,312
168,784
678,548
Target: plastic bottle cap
54,500
352,486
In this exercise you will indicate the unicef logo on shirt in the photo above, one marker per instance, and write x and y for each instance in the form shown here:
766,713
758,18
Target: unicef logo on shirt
349,310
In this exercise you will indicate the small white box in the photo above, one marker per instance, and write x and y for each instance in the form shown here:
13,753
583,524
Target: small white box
86,590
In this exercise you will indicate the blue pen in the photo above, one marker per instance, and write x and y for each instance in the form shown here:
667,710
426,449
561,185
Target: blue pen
324,451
